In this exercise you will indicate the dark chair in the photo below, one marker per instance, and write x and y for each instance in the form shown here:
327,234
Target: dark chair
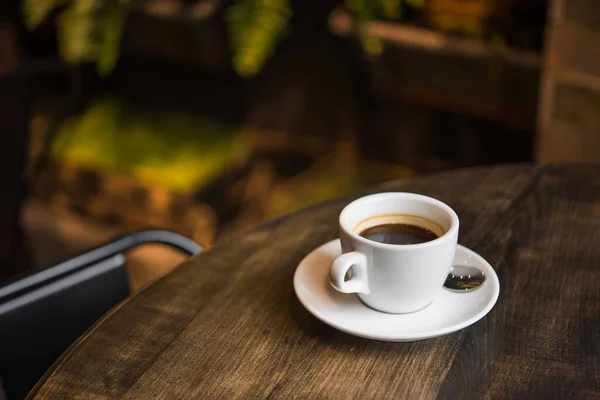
42,314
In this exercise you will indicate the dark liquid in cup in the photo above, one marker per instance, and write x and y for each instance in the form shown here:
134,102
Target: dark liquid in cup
398,234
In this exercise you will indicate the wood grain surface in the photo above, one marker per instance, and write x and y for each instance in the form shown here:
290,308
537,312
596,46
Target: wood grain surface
227,324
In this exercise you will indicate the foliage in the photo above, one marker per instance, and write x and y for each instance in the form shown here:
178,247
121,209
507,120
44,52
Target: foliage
367,10
37,11
111,136
88,30
255,27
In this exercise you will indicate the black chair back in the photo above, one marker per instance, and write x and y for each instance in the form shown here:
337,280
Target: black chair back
37,326
42,314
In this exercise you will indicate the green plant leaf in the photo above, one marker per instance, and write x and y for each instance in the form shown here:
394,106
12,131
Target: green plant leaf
111,32
75,36
36,11
91,30
391,9
255,28
170,149
415,3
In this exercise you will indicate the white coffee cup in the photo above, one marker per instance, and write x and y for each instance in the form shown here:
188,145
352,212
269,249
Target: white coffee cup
395,278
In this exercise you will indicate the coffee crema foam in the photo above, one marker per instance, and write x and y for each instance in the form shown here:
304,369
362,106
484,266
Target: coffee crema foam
407,219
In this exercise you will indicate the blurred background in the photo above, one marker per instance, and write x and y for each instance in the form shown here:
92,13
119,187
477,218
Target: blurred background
208,117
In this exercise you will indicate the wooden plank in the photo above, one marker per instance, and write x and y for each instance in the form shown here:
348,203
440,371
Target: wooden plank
583,11
560,143
573,129
575,48
578,106
570,88
566,142
577,80
342,23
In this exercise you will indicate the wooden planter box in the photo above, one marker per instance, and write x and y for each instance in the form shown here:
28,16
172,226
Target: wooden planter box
460,75
233,201
424,74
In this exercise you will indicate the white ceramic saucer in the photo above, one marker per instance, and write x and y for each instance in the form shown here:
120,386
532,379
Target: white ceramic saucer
449,312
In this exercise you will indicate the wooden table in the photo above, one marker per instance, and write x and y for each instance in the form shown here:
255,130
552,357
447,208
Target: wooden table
227,323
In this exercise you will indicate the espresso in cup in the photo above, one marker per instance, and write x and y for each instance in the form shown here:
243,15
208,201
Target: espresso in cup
400,229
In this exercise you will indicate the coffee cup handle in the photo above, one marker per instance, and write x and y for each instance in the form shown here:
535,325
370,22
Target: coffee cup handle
337,273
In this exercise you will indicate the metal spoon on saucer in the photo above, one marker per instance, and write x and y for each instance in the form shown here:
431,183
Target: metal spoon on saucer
463,278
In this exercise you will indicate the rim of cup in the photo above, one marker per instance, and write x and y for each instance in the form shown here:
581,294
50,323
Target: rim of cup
404,195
